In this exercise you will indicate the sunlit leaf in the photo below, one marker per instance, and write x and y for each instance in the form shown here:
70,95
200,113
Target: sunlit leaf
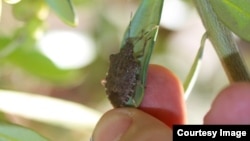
27,10
235,14
12,1
36,63
64,9
145,20
7,47
48,110
9,132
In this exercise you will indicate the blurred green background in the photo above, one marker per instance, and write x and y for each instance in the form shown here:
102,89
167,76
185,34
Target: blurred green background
41,55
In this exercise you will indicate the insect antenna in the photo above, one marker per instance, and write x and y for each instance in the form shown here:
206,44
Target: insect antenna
129,26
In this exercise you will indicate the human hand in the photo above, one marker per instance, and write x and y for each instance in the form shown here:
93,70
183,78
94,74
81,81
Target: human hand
163,105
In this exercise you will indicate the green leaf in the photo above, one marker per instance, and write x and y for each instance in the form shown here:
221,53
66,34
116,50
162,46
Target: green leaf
7,47
27,10
235,14
36,63
146,19
53,111
9,132
64,9
4,42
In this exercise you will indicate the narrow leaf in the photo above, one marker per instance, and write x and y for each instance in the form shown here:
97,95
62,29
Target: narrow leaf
9,132
235,14
145,20
193,73
48,110
64,9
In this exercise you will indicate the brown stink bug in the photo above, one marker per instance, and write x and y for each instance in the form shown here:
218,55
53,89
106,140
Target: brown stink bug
123,76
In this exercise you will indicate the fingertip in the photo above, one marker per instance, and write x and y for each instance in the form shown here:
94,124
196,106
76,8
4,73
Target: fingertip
231,106
163,97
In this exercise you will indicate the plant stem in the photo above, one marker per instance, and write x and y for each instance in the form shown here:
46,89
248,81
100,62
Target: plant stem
193,73
223,42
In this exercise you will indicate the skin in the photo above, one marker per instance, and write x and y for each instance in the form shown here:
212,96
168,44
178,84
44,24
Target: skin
163,106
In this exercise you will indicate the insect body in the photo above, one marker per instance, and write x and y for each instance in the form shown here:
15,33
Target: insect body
123,75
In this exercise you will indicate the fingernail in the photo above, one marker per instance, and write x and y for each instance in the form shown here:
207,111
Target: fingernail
112,126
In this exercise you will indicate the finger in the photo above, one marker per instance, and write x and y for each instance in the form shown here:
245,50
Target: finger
231,106
163,97
163,100
130,124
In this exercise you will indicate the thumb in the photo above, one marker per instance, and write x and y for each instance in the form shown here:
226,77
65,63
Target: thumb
130,124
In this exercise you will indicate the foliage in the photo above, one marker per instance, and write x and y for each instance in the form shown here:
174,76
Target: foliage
18,50
17,133
146,21
235,15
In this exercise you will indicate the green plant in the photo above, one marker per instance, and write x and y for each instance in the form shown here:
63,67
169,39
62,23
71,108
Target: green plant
220,18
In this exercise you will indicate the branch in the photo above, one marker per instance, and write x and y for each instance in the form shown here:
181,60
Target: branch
223,42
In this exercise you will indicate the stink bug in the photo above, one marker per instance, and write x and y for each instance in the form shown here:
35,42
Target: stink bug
123,77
